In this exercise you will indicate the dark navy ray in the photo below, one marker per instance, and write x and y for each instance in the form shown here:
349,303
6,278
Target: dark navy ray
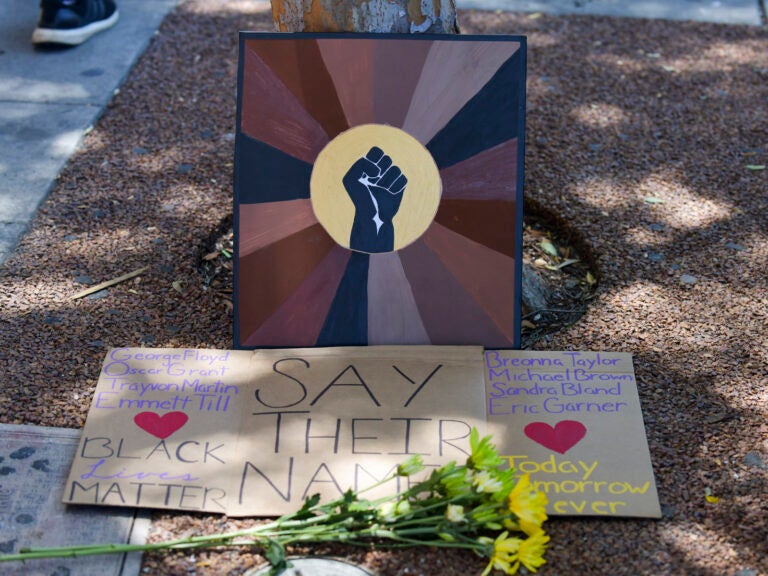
266,174
492,116
347,320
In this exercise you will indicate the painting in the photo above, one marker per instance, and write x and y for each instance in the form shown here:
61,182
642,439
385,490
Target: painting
378,190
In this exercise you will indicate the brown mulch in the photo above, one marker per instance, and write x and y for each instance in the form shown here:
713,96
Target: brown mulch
644,138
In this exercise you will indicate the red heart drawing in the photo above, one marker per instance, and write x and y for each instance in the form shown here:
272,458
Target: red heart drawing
160,426
564,436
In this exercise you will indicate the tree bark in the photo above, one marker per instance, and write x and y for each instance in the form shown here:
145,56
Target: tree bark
402,16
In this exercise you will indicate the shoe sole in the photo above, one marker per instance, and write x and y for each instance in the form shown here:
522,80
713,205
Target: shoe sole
74,36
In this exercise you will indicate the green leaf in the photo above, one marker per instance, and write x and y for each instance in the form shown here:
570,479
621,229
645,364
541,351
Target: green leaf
306,511
275,555
227,253
756,167
349,498
653,200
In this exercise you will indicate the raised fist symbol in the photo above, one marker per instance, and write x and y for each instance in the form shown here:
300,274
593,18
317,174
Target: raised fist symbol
376,188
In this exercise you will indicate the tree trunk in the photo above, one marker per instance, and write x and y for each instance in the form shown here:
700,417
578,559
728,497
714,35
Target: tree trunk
403,16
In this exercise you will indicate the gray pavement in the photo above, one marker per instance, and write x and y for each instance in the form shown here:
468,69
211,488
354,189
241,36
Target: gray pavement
48,100
723,11
36,461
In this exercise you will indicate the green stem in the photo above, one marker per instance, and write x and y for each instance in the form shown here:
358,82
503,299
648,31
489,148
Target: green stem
330,522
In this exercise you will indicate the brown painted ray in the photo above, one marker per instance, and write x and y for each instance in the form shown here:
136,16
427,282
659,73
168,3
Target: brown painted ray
448,311
393,317
439,96
487,275
297,322
490,175
398,66
272,114
299,65
487,222
269,222
269,276
352,76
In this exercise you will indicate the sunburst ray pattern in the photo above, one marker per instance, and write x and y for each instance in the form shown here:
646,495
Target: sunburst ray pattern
459,283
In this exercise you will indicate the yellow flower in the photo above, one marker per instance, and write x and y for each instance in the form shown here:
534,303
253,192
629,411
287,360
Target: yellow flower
403,508
387,511
454,513
528,505
530,553
412,466
484,481
504,555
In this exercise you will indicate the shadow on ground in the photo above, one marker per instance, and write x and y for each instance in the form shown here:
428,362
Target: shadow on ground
645,137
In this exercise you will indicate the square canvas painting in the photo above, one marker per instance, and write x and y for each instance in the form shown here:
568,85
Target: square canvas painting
378,190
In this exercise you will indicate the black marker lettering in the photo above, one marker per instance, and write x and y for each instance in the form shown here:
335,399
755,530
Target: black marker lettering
284,495
335,382
421,386
303,393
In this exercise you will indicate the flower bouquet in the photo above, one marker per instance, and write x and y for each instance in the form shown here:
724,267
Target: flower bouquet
455,506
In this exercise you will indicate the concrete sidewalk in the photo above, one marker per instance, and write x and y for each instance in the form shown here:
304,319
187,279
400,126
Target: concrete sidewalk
49,99
723,11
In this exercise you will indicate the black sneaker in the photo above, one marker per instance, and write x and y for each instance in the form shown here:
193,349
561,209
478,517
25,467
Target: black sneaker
72,22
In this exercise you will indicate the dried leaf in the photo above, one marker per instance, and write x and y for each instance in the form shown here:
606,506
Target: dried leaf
178,285
565,263
709,497
548,248
211,256
541,263
534,232
591,280
528,324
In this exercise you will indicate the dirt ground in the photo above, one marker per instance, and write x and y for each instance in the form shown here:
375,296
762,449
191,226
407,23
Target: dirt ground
644,138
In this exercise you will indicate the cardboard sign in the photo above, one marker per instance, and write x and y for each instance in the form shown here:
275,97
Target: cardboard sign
378,200
573,421
254,433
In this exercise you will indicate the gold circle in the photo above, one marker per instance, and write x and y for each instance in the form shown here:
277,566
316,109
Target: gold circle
331,202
